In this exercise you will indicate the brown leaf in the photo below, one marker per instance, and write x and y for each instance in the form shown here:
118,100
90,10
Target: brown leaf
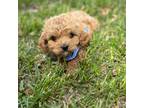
28,91
114,73
104,11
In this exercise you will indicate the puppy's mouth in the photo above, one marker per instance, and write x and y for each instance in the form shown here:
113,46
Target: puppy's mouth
65,53
68,56
62,55
69,52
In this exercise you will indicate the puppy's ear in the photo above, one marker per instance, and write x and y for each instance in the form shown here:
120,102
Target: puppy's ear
87,28
92,22
43,42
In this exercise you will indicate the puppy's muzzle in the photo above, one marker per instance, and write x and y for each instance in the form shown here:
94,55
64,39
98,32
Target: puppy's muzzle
64,47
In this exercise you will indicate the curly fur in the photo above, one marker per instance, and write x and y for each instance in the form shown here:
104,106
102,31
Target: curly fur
67,29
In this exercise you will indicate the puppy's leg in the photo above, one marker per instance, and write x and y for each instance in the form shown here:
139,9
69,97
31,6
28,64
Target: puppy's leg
73,64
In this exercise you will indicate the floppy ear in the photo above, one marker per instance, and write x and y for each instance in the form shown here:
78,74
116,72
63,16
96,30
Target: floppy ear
94,24
87,28
43,42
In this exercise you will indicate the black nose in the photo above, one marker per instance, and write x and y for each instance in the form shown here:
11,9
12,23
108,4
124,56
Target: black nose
64,47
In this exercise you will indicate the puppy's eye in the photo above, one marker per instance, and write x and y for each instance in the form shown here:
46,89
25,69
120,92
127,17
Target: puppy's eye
53,38
45,41
72,34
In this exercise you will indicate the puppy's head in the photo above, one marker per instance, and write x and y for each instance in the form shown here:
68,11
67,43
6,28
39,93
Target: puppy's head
61,36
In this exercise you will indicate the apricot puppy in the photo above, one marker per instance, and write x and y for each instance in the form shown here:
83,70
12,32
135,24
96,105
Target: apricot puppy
66,36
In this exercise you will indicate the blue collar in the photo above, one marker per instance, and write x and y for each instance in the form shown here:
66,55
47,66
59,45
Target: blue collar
72,55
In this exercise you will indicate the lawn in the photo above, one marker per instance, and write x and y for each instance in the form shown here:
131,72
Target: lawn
99,81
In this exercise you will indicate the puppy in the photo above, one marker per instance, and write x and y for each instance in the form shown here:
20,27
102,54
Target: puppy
66,36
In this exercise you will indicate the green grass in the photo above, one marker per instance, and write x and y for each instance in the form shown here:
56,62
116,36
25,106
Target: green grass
100,80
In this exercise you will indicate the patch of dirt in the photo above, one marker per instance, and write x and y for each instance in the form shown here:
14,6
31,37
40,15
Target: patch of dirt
104,11
114,72
114,17
28,91
121,103
33,9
